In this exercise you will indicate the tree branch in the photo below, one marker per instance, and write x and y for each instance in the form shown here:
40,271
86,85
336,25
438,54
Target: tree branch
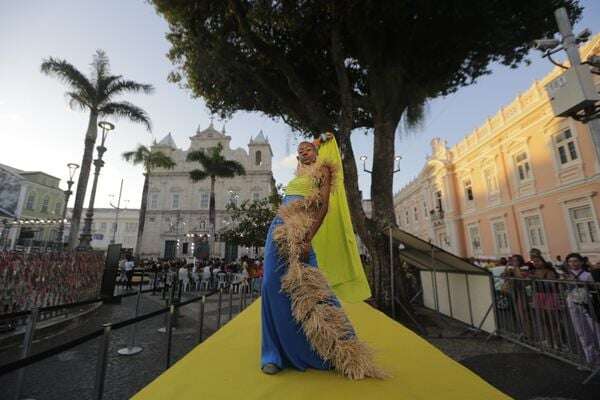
294,82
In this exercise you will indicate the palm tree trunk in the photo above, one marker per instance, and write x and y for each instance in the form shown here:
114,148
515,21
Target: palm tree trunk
84,174
143,207
212,216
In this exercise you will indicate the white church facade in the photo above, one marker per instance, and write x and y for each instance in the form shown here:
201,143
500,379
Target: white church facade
176,223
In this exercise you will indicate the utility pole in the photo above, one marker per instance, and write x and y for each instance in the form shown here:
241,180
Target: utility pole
573,93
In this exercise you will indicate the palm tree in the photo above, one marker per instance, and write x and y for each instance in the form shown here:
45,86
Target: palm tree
95,94
214,166
150,159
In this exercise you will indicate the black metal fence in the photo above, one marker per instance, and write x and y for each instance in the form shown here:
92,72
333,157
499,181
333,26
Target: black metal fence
102,336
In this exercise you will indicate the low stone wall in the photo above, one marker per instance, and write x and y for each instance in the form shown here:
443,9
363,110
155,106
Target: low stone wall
45,279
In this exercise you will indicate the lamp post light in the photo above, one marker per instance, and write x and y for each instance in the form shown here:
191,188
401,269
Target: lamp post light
86,236
61,229
118,209
363,158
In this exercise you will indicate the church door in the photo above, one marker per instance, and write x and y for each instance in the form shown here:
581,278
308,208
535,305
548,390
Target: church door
170,249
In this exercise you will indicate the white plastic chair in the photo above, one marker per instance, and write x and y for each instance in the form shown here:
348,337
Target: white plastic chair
235,282
221,281
204,284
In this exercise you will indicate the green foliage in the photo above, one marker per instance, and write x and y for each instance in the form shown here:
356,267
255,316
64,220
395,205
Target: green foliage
214,165
97,93
251,221
151,159
279,57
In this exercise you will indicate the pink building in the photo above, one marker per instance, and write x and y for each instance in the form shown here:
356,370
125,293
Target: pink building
523,179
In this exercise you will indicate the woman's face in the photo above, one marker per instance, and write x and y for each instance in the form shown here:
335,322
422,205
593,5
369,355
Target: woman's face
306,153
574,263
538,263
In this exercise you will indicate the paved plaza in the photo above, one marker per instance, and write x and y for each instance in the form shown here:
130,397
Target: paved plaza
513,369
70,375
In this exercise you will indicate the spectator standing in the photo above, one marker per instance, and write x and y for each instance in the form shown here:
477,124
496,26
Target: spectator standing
545,297
516,287
581,309
128,266
184,277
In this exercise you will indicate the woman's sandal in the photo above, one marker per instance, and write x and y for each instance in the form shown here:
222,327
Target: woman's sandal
270,369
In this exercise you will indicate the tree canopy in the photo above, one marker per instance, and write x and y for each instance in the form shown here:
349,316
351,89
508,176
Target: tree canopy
97,93
214,165
148,158
251,222
343,65
280,57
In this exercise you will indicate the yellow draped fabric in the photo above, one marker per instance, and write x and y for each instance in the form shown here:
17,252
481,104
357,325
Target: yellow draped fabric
335,242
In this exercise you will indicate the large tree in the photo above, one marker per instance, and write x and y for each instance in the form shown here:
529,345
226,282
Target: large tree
251,221
150,159
347,65
97,95
214,165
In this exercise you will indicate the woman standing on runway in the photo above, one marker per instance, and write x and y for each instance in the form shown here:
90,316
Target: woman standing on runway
303,323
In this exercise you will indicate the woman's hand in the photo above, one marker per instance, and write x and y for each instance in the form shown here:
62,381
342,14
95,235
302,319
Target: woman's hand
323,137
326,136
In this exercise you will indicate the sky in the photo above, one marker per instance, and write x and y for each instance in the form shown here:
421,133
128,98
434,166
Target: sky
38,131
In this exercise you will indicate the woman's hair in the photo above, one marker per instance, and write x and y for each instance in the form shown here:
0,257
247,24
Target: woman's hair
545,263
574,255
310,143
584,265
519,258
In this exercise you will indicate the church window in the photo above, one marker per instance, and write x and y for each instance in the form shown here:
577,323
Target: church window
204,199
175,201
154,201
258,157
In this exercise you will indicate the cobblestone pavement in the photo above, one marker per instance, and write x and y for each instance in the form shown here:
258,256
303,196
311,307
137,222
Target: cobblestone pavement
515,370
70,375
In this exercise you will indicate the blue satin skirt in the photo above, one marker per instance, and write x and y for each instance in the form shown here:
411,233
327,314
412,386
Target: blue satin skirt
283,341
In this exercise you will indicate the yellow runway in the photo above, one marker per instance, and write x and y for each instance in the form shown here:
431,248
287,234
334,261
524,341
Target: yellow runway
226,366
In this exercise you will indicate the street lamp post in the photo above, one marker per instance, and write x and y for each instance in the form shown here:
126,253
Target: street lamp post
61,229
363,158
118,209
233,199
86,236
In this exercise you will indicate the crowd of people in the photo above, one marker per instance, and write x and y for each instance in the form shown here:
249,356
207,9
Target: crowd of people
195,275
45,279
545,301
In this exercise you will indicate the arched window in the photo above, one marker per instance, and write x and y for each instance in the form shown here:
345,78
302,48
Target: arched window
258,157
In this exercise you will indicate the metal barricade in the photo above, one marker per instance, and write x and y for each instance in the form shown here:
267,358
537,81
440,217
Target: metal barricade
107,330
560,318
